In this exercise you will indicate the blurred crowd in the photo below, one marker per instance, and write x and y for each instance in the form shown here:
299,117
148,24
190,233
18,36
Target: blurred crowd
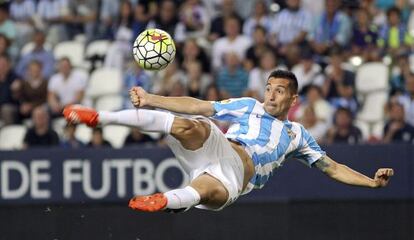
225,48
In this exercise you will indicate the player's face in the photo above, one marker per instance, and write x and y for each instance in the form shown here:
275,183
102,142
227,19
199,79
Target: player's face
277,98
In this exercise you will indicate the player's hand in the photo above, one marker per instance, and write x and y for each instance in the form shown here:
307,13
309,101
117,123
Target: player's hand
382,177
138,96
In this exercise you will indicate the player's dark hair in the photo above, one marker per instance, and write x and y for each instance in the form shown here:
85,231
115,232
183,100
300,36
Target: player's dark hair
288,75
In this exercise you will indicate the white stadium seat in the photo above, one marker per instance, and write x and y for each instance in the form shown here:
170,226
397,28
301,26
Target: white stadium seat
12,136
83,133
370,77
116,135
104,81
372,86
373,107
98,47
109,103
73,50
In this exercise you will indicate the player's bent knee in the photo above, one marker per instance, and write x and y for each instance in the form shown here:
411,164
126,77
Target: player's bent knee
218,195
191,133
213,196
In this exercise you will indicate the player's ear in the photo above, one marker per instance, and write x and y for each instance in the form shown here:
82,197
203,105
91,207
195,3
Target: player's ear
294,100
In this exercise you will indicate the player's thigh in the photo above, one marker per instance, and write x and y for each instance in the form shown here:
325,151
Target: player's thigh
192,133
212,192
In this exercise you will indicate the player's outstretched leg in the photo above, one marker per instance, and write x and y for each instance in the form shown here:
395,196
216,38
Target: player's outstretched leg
146,120
191,133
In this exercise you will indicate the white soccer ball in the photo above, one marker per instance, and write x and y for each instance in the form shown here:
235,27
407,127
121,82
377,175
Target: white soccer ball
154,49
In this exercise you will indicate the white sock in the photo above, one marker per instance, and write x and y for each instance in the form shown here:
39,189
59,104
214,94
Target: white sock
146,120
182,198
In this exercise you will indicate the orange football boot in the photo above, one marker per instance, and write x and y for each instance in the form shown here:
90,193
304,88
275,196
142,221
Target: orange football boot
81,114
150,203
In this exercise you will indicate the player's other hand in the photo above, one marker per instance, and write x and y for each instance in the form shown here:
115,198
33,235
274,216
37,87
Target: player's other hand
382,177
138,96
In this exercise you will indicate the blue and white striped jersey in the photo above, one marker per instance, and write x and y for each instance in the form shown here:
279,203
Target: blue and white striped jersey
267,140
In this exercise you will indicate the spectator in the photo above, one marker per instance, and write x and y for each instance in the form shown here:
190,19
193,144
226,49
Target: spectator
394,36
196,81
212,93
333,29
258,76
134,76
178,89
315,126
65,87
259,17
119,51
8,101
308,72
50,16
407,100
141,18
22,11
69,139
98,140
164,82
346,99
397,128
7,26
108,13
227,10
4,45
194,21
232,42
291,26
314,7
337,77
82,18
232,79
364,37
343,130
320,106
167,18
124,19
40,135
192,52
401,71
33,92
136,137
39,53
258,48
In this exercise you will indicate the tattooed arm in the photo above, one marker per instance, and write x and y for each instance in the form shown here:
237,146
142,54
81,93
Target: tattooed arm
346,175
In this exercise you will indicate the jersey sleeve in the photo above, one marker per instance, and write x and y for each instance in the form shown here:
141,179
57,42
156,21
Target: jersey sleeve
232,109
308,150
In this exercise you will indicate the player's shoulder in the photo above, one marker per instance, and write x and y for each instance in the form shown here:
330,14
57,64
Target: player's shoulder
298,127
241,100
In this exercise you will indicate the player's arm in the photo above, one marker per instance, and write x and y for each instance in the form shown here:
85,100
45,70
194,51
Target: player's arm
346,175
186,105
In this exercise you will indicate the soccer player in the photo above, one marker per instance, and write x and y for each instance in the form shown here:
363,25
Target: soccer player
224,166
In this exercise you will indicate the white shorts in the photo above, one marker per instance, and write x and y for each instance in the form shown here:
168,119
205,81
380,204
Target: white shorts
217,158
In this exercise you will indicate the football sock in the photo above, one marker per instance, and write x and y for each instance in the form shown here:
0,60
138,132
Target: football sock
182,198
146,120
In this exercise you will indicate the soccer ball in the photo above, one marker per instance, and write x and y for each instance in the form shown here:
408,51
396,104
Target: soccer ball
154,49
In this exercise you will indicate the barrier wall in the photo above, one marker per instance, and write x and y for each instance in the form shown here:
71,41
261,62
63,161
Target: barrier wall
107,175
64,194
